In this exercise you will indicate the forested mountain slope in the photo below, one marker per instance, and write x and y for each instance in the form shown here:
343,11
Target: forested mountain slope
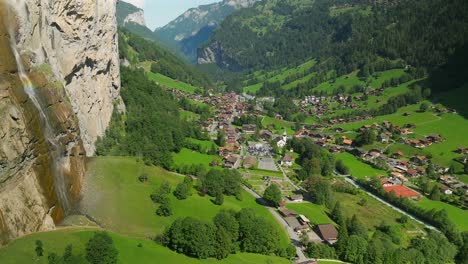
347,34
196,25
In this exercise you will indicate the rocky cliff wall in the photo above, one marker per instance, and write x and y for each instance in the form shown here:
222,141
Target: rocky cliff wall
69,51
78,39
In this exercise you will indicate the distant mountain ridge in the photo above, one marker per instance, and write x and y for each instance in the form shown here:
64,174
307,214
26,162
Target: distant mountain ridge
196,25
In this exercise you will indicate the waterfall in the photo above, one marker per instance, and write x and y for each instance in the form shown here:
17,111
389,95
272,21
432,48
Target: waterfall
55,149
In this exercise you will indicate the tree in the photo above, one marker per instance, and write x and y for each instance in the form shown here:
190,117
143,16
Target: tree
223,243
435,193
219,199
320,190
465,168
68,254
212,183
221,138
273,195
356,227
227,220
100,249
356,248
341,167
162,192
165,209
39,249
367,137
424,107
182,191
337,213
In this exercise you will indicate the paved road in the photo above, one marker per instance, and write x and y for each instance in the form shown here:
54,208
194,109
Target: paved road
292,235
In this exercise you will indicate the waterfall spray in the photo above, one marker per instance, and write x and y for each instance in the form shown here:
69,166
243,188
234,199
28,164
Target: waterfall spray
55,149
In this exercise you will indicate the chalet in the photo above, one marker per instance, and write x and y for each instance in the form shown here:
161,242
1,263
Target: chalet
249,162
347,142
339,130
296,198
266,134
249,129
293,223
445,189
398,154
412,173
383,137
231,162
328,233
335,149
462,150
286,212
226,151
304,220
406,131
373,154
434,138
302,133
419,160
287,160
399,176
392,181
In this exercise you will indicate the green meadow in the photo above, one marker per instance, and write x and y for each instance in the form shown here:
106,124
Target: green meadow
357,168
190,157
171,83
279,125
131,250
133,212
317,214
456,215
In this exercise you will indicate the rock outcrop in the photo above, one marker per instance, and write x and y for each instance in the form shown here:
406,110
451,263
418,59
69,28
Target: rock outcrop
78,39
137,18
69,51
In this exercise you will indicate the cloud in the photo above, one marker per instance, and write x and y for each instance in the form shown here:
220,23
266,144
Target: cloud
137,3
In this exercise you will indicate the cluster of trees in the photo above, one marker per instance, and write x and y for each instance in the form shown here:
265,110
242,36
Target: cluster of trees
184,189
438,219
273,195
99,249
151,128
203,110
228,233
217,183
248,119
164,62
384,246
161,196
314,159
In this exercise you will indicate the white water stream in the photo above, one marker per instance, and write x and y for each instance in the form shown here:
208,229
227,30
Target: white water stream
55,149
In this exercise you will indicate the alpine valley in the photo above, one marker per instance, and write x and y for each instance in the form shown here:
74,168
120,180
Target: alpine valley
243,131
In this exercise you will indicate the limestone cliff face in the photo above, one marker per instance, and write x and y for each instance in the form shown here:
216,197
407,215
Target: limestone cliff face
78,39
69,51
137,18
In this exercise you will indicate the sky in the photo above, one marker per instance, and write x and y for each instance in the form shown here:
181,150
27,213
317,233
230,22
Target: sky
160,12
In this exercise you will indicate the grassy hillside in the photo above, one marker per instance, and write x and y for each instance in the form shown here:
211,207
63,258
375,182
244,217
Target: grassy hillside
158,60
131,250
114,180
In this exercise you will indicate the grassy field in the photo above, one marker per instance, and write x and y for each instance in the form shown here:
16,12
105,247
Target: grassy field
278,124
189,157
275,174
317,214
204,144
113,181
372,213
189,116
171,83
357,168
22,250
280,76
458,216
